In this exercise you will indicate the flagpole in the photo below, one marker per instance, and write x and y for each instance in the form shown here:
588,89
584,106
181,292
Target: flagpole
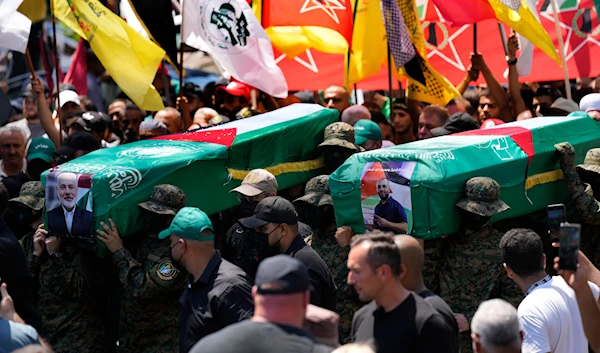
475,38
389,60
60,122
30,62
503,37
181,53
561,47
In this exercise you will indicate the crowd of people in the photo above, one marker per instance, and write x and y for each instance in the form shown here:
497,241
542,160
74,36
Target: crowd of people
281,274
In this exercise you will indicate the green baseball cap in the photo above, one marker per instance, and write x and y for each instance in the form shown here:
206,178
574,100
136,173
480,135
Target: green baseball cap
40,148
367,130
188,223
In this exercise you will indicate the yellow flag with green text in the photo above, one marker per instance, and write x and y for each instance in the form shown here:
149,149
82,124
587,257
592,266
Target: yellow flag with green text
130,59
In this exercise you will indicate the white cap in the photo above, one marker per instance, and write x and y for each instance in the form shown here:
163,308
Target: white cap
567,105
590,102
68,96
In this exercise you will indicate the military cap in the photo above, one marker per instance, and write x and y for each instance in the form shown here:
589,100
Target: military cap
165,199
591,162
482,197
32,195
340,134
317,192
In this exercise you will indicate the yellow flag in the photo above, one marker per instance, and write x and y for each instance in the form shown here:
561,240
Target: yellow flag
437,89
35,10
130,59
295,40
369,42
518,16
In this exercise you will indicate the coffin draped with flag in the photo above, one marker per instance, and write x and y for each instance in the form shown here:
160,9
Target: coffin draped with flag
520,156
206,164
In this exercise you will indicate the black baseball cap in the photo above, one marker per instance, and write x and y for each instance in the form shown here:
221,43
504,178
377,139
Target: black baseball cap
80,140
274,209
281,274
191,90
457,122
94,121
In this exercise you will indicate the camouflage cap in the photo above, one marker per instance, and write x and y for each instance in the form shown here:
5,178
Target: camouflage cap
317,192
166,199
591,162
482,197
340,134
32,195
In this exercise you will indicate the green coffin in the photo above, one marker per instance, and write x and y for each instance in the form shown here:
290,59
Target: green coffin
520,156
283,141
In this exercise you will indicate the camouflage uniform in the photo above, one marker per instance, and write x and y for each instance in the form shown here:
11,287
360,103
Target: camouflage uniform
588,208
340,134
324,243
470,268
151,284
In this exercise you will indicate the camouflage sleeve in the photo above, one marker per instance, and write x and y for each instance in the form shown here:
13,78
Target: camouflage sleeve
583,197
433,255
33,262
161,278
505,288
66,275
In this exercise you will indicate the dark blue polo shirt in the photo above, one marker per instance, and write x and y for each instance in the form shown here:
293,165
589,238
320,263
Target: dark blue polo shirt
391,211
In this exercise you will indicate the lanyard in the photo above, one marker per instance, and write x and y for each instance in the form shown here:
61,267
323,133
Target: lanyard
538,283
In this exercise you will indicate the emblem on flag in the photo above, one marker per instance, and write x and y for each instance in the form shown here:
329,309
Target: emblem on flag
225,26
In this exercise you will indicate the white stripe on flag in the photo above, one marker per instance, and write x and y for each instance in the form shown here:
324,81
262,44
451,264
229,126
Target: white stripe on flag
14,26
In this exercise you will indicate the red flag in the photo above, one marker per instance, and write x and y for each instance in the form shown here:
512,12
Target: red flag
77,74
334,14
456,14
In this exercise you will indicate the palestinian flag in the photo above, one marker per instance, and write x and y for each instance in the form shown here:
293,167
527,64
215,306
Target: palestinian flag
520,156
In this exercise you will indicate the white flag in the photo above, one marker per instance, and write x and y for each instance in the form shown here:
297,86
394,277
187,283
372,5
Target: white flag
526,58
236,41
14,26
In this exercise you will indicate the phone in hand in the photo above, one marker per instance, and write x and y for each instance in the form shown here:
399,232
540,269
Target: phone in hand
568,251
557,215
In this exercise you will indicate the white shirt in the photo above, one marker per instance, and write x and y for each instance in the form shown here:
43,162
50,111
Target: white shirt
551,320
69,218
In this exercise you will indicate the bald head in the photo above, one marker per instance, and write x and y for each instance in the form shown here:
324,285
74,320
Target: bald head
411,251
171,118
355,113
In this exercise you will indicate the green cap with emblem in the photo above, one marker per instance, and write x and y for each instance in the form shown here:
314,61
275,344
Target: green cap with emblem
166,199
591,163
482,197
189,223
40,148
367,130
340,134
32,195
317,192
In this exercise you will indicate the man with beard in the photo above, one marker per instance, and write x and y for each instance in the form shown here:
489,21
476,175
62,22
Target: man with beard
235,96
39,159
316,208
389,213
131,122
470,270
276,219
243,247
68,219
338,144
151,283
403,124
583,186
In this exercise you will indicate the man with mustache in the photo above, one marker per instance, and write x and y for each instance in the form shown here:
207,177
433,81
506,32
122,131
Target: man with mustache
68,219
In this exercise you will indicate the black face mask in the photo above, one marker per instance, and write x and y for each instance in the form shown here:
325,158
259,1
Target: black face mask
155,223
473,221
334,157
25,215
247,208
36,167
319,218
593,179
176,263
262,244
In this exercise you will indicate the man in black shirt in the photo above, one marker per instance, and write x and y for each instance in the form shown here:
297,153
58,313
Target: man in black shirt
281,297
397,319
276,218
220,293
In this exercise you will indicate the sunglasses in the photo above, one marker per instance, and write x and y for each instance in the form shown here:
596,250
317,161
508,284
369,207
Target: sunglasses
334,100
248,198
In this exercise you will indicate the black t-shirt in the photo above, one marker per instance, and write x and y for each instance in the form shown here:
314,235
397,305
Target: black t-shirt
13,183
443,309
323,288
263,337
413,326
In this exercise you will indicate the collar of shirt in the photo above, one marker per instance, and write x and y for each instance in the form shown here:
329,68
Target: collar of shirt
297,244
72,212
211,268
538,283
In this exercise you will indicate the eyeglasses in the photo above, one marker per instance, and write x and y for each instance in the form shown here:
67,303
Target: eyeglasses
335,100
249,198
490,105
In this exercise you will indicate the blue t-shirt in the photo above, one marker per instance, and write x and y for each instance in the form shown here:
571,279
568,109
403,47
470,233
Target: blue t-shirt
14,336
391,211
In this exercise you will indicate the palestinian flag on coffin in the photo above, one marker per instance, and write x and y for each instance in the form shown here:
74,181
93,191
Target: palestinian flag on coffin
205,164
430,174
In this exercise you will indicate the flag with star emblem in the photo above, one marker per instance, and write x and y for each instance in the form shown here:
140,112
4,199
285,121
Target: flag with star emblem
297,25
424,82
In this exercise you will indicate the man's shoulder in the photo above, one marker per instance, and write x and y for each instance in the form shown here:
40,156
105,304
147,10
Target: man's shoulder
57,210
367,309
231,275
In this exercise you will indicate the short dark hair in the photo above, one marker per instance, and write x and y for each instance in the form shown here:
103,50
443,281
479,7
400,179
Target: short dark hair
438,111
473,97
383,250
523,251
3,199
